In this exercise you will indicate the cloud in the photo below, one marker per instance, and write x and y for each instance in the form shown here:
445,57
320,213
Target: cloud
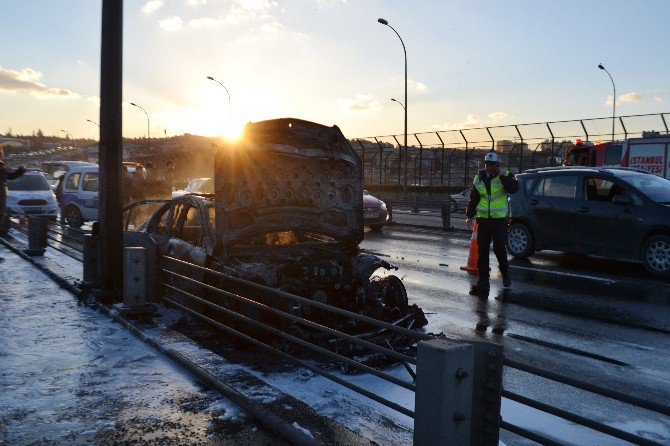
172,24
417,86
93,99
27,81
359,103
205,22
472,121
658,99
628,97
152,6
196,2
496,117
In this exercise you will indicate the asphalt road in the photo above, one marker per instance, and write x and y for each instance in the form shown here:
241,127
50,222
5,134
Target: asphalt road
597,320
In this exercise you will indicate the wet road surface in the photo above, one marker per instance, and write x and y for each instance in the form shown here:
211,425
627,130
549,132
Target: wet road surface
596,320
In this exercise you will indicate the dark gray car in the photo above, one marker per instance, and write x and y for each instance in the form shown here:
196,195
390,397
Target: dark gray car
611,212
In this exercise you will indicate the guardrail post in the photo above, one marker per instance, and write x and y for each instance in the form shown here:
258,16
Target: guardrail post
444,389
486,393
415,209
37,235
446,217
4,225
135,284
91,259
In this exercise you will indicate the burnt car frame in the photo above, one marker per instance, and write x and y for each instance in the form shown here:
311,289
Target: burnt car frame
287,213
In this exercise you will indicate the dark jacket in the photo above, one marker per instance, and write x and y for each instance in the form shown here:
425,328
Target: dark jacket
509,183
7,174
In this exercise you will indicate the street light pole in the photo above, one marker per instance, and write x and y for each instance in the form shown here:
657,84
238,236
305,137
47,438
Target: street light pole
230,110
401,104
386,23
148,126
613,97
93,122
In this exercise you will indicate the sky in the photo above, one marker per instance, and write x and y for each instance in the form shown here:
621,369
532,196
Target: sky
470,63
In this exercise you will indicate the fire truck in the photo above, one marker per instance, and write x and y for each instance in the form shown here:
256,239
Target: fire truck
649,153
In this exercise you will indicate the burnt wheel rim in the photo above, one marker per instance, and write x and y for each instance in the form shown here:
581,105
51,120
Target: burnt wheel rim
658,255
517,240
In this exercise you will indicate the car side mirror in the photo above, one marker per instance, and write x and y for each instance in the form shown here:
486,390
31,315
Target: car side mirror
621,199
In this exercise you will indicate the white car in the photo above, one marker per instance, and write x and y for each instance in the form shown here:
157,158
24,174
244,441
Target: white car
196,186
31,194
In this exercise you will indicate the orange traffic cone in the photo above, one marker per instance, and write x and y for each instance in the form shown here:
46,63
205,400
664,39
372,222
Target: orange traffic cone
474,252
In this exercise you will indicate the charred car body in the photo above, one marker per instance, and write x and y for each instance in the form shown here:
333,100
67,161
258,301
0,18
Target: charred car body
287,213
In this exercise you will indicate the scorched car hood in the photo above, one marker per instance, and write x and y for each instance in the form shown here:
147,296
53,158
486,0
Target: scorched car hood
288,174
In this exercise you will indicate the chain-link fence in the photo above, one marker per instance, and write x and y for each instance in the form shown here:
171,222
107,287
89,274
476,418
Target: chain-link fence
452,157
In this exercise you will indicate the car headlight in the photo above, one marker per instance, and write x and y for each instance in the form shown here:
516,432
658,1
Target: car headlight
383,205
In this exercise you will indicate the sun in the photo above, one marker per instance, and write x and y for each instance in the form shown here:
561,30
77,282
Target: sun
232,132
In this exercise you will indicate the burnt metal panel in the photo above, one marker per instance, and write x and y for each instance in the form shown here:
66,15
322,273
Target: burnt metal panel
288,174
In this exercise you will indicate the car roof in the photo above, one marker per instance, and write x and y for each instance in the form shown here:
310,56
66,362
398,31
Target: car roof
90,168
615,171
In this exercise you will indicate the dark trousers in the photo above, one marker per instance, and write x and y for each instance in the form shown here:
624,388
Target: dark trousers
491,229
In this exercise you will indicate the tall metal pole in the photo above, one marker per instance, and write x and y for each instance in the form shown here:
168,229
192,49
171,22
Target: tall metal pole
148,126
230,109
613,97
385,22
110,150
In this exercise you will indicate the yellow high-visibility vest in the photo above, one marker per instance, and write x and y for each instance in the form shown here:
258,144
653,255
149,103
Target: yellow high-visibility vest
494,205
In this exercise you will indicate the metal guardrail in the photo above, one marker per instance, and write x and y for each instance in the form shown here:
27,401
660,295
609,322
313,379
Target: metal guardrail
452,157
364,342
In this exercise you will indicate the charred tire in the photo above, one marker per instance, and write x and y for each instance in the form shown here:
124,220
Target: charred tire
73,217
395,294
520,241
656,255
453,206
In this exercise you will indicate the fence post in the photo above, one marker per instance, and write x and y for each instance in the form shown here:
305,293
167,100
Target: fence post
446,216
444,387
91,259
415,208
135,284
37,235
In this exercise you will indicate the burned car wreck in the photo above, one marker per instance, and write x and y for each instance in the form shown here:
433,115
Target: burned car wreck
287,213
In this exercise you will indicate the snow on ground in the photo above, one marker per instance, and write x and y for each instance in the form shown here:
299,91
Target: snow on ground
69,375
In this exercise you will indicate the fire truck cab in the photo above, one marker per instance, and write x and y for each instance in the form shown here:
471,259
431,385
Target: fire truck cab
587,153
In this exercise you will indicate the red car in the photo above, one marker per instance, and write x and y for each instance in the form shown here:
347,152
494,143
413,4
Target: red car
375,214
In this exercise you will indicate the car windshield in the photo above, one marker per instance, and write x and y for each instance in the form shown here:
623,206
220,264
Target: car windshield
29,182
656,188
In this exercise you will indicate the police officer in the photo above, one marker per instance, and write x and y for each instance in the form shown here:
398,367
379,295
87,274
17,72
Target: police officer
488,202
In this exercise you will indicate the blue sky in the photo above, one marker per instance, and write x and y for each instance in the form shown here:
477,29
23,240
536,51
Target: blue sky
471,63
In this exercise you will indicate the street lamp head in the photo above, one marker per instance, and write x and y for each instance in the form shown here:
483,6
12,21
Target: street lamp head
132,103
383,21
393,100
601,66
210,78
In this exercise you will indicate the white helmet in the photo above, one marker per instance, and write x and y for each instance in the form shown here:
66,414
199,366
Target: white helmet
491,157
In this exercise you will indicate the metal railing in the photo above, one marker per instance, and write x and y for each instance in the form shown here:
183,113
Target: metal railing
186,293
452,157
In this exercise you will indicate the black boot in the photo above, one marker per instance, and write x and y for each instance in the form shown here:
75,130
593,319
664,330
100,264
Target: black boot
507,281
482,285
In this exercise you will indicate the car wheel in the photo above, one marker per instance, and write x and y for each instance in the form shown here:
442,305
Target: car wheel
395,295
73,217
656,255
375,228
520,241
453,206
